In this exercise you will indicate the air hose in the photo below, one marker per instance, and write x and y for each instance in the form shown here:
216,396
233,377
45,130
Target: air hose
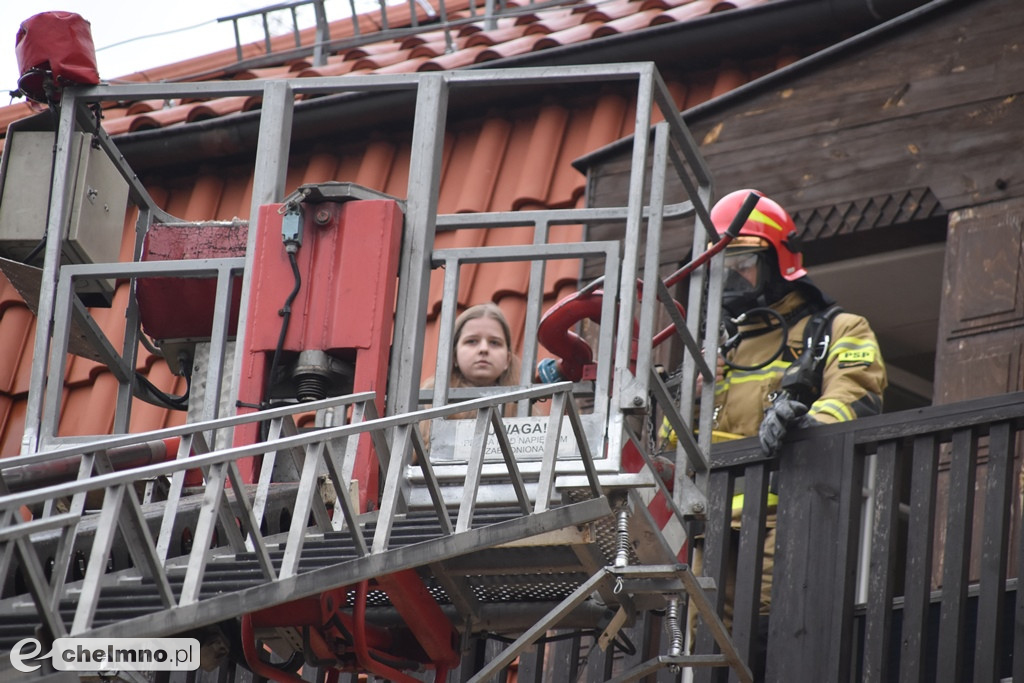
733,336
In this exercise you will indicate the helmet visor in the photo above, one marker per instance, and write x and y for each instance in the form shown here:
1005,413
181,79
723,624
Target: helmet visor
745,275
744,270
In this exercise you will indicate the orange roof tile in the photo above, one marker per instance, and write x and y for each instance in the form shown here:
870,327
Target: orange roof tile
453,60
553,23
16,326
12,412
683,12
144,107
607,11
514,47
383,60
332,69
497,36
412,65
8,296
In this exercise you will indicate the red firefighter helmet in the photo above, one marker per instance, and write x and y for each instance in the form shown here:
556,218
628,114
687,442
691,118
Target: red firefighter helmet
768,223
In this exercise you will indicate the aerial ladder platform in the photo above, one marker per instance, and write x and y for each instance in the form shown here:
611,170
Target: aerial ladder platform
319,515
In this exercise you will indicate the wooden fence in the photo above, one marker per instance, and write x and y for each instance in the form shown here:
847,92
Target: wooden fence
898,540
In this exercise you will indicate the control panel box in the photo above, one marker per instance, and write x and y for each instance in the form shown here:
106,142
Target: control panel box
97,199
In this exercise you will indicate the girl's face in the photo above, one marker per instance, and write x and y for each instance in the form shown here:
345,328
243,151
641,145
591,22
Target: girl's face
480,352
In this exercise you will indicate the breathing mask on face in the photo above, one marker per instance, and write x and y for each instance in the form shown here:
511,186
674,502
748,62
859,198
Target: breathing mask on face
745,279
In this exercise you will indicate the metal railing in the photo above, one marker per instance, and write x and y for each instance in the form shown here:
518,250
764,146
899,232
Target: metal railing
231,514
942,547
420,16
632,386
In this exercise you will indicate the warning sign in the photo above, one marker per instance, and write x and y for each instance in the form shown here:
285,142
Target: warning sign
526,435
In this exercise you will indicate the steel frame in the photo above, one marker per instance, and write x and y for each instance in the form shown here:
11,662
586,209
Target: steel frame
433,92
666,581
673,148
329,448
626,385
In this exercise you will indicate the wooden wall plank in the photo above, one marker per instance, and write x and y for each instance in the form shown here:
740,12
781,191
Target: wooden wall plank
984,271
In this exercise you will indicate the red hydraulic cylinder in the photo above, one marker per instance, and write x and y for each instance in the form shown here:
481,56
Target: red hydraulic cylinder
420,610
344,306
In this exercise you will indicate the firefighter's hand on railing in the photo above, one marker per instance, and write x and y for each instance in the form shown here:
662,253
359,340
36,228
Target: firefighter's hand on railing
783,415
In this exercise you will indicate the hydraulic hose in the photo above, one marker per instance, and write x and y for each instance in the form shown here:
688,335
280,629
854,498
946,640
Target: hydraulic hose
286,316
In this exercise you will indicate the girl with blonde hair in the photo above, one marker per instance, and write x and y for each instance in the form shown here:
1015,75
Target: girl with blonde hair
483,356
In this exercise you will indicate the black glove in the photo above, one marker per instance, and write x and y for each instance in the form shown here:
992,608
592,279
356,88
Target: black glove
783,414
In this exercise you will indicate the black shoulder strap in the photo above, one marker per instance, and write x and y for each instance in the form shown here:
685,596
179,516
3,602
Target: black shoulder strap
818,333
802,379
821,340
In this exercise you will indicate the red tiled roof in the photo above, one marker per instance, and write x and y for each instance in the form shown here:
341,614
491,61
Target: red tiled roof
517,160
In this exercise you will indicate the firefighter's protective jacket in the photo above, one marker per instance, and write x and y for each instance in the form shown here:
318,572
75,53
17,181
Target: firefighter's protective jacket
853,376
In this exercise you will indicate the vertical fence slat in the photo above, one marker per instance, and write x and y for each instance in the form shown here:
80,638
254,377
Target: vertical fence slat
957,555
1018,634
839,632
819,488
531,664
715,560
750,562
878,629
920,543
994,545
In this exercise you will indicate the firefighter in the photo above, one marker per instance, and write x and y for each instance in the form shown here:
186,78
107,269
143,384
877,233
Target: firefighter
791,358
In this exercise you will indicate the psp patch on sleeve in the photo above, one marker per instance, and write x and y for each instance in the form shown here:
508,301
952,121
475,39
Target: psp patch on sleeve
856,358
